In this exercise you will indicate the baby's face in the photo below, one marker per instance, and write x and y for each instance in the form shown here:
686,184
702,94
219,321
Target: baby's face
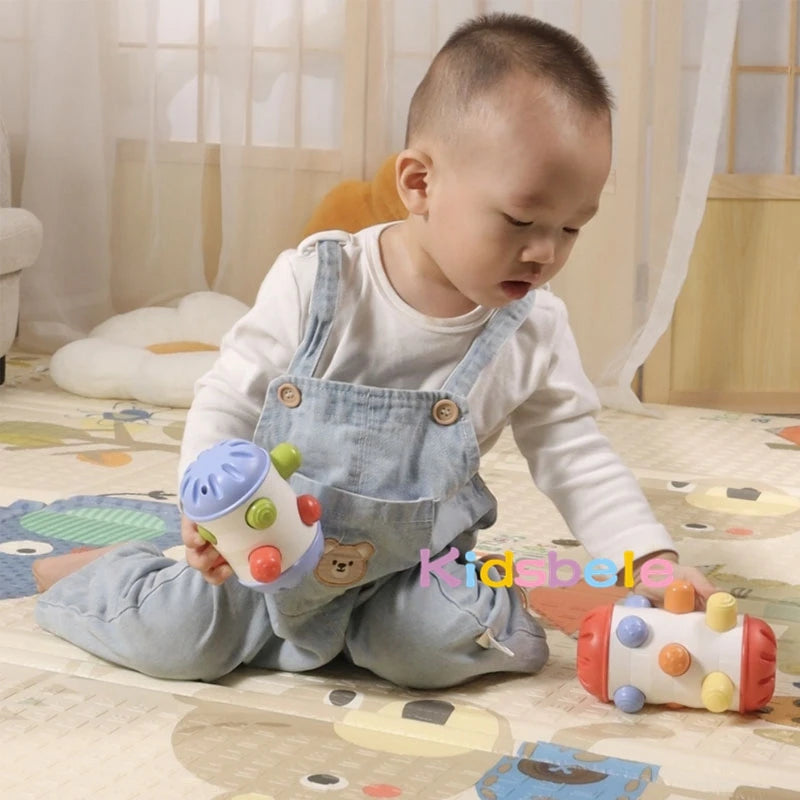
507,207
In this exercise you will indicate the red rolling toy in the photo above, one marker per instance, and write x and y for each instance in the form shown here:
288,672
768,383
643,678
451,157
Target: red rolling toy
632,654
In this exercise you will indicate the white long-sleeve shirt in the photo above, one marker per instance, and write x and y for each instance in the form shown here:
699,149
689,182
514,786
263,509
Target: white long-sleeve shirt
535,383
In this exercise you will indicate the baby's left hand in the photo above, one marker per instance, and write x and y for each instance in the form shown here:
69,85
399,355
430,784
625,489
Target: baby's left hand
702,586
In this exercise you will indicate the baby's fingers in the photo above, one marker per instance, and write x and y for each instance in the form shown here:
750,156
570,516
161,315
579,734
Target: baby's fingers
703,588
204,558
220,572
189,534
699,586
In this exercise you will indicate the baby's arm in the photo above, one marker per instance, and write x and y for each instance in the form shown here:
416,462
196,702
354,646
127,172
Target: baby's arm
576,467
229,397
601,501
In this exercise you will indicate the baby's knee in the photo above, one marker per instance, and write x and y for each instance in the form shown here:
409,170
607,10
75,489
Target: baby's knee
450,644
182,664
437,665
165,651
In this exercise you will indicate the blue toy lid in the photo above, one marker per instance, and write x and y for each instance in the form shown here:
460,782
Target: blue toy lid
221,478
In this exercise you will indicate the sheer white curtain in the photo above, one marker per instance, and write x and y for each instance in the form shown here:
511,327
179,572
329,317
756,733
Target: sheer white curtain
159,142
176,145
668,221
58,120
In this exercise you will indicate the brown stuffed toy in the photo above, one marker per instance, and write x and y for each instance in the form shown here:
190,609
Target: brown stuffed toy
353,205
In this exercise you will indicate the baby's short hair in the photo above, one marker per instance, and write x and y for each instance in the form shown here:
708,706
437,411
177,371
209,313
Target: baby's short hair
484,50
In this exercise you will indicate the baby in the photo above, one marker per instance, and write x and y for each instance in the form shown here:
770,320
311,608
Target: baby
393,359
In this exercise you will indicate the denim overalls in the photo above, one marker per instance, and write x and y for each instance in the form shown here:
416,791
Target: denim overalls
396,472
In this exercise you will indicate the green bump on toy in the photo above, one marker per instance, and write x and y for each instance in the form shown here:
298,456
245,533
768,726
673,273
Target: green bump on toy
207,535
261,514
286,458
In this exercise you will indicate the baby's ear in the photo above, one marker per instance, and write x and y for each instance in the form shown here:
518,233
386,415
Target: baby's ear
412,173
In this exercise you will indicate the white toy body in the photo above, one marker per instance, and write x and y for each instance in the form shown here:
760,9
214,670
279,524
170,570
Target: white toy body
235,541
710,651
715,659
243,504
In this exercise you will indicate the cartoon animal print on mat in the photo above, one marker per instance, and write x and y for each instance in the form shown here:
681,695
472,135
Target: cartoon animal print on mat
790,435
723,509
782,710
30,372
367,747
564,607
128,413
355,746
30,529
544,771
115,430
782,735
763,590
116,451
585,737
658,792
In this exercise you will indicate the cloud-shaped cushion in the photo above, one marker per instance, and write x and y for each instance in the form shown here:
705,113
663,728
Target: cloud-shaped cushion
153,355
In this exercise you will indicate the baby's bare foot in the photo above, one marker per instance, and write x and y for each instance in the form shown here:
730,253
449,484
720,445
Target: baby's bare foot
46,571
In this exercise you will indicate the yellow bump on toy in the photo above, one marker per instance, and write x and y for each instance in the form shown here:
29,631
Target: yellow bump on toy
721,612
679,597
717,692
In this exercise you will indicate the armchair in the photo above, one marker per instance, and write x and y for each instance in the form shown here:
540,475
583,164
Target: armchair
20,243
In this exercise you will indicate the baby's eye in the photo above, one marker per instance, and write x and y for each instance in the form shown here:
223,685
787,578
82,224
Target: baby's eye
572,231
518,222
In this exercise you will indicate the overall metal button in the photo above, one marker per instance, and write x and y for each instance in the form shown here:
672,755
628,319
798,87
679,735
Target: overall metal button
445,412
289,395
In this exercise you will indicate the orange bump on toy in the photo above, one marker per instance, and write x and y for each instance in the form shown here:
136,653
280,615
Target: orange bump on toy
674,659
679,597
634,654
265,563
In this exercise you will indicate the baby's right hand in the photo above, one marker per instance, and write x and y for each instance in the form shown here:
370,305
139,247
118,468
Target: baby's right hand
202,555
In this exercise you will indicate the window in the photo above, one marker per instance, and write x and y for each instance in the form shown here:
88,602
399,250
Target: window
759,150
284,64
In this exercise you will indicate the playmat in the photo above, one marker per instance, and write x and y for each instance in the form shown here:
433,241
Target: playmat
80,473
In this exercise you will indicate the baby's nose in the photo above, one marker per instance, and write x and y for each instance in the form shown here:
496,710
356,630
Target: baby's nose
540,249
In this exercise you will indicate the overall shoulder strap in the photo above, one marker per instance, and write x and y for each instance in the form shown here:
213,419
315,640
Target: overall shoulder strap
500,327
324,299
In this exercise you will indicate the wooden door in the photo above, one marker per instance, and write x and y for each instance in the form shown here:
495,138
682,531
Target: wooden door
734,342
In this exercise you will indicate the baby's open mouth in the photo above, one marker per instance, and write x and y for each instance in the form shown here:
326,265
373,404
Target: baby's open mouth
515,289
